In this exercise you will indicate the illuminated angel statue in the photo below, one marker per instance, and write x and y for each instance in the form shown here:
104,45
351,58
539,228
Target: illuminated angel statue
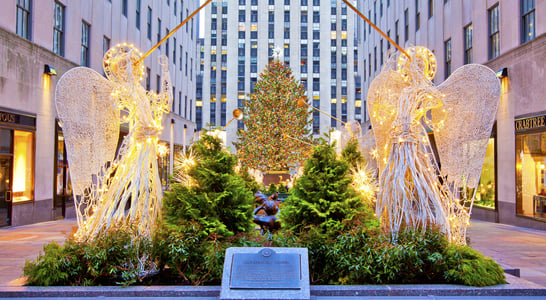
113,190
404,104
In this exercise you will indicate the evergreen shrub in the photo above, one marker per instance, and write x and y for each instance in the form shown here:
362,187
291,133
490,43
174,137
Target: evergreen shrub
323,214
114,257
220,201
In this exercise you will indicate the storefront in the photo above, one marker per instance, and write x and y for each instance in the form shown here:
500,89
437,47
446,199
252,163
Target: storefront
530,161
17,139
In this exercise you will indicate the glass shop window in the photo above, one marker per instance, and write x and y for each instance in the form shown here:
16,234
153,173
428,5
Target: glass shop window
23,166
530,161
485,195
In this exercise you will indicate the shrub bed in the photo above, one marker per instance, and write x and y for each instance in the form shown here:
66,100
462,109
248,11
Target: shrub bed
323,214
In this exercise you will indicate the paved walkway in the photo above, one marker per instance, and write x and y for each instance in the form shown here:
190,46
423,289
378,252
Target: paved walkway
508,245
513,246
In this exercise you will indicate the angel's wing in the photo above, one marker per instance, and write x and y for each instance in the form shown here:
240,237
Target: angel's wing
90,121
472,95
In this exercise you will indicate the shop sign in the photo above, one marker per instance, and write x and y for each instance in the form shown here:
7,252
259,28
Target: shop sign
7,117
17,119
531,123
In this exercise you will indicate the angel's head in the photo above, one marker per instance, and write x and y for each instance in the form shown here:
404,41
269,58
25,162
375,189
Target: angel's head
122,64
422,60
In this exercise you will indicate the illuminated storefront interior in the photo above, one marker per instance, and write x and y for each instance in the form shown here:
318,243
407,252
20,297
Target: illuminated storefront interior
530,161
23,166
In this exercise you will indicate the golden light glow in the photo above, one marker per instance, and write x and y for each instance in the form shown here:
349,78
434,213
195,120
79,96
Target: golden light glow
23,165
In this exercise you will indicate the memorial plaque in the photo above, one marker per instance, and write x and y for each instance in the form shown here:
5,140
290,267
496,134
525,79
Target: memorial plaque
265,273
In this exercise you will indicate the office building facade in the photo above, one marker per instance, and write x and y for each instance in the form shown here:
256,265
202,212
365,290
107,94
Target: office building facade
509,37
315,38
40,36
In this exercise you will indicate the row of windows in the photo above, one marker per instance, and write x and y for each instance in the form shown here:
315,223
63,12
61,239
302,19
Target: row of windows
24,9
528,33
272,2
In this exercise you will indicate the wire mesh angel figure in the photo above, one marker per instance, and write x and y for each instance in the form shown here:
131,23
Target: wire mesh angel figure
125,190
404,103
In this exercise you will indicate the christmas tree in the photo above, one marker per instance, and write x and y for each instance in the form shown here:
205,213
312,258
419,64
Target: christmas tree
218,200
323,196
276,135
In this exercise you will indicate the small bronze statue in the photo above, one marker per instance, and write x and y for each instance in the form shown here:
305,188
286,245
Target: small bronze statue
269,221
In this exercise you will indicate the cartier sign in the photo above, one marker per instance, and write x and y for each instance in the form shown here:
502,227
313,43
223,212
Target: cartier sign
531,123
7,117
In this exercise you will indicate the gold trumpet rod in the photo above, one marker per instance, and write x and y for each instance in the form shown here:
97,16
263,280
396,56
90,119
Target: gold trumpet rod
344,123
228,123
376,28
173,31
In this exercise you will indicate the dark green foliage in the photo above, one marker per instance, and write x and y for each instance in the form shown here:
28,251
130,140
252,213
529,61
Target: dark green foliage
323,214
112,258
194,257
220,202
467,266
322,196
250,182
352,155
282,188
272,188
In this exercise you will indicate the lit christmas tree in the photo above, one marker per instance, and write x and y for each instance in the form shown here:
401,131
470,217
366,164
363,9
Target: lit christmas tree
276,135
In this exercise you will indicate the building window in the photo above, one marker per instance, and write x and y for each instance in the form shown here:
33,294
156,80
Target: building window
374,59
316,115
212,118
149,24
430,8
105,44
84,61
148,78
124,7
406,25
167,43
447,46
223,112
158,32
381,53
417,15
528,20
180,58
23,165
396,32
58,30
468,44
494,32
485,193
185,106
174,50
137,20
530,170
24,7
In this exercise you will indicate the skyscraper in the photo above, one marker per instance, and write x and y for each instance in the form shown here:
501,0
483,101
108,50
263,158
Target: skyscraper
315,38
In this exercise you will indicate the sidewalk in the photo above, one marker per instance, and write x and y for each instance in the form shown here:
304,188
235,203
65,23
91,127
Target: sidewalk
508,245
512,246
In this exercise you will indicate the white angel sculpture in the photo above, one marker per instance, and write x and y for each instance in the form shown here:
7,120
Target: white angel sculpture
113,190
414,190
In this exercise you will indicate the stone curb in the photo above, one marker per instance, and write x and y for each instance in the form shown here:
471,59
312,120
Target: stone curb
515,287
